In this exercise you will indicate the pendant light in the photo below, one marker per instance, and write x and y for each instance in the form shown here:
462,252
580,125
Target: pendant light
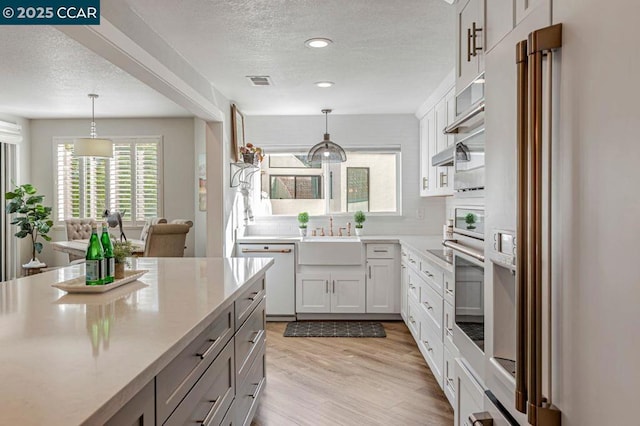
326,150
93,146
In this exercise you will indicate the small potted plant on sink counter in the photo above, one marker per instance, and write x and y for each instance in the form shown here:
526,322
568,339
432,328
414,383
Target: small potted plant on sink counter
303,219
121,250
359,219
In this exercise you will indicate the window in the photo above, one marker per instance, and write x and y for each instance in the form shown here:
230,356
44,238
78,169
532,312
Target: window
130,182
296,187
367,181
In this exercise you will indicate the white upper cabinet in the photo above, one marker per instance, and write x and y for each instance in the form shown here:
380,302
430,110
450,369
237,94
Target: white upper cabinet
425,156
469,37
499,16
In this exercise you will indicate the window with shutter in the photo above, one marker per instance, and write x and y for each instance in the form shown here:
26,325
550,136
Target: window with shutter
129,182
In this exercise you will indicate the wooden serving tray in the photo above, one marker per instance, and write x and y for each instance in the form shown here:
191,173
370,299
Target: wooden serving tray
78,285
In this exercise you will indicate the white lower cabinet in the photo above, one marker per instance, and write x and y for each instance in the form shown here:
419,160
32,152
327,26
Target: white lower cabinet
382,290
449,378
330,293
469,394
430,344
404,290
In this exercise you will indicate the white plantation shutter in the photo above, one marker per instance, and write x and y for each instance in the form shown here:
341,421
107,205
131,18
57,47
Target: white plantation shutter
147,180
129,182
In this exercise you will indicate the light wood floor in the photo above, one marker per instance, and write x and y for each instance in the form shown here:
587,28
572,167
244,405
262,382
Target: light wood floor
349,381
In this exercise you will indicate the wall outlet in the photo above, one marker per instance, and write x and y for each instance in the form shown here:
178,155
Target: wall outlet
420,213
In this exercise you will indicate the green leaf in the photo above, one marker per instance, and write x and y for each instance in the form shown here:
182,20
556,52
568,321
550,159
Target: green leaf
21,234
35,199
29,189
10,195
45,237
38,247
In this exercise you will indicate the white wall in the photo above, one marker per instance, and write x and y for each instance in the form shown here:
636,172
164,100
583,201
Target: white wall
179,165
23,154
354,131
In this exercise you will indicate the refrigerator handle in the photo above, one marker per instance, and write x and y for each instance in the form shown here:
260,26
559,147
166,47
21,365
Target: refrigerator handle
539,409
521,227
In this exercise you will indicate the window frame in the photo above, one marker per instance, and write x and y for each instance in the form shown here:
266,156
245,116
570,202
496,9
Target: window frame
57,140
395,149
295,186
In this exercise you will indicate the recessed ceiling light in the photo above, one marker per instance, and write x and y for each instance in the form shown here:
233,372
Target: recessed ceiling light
318,42
324,84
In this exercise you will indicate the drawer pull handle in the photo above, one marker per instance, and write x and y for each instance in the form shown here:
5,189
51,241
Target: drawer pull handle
449,291
258,386
206,353
212,410
450,331
256,337
326,286
426,343
427,273
254,296
380,251
411,320
412,286
412,261
428,305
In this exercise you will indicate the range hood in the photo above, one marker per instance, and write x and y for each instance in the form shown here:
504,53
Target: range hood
444,157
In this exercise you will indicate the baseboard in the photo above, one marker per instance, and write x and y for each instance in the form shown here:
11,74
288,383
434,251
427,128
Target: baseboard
281,318
359,317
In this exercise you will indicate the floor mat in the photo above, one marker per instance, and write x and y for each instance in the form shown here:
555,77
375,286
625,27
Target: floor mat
334,329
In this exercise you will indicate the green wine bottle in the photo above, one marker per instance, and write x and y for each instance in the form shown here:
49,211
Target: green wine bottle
95,259
109,261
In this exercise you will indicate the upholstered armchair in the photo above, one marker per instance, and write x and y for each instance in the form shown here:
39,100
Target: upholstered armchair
148,223
78,229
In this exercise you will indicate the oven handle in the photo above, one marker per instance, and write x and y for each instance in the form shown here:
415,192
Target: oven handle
453,244
458,124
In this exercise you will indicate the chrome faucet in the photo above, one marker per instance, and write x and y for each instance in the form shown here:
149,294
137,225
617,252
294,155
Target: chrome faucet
340,231
331,226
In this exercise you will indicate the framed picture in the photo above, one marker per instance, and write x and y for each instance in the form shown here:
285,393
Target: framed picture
237,131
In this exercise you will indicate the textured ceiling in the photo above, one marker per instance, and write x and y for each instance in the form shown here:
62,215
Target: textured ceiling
45,74
387,56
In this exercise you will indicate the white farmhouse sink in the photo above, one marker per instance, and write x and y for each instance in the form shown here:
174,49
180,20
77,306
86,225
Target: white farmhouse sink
329,251
331,239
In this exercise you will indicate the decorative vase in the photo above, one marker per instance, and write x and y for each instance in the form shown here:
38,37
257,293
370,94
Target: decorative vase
303,232
358,231
119,272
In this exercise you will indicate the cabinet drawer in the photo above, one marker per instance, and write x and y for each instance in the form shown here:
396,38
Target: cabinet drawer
248,340
230,417
208,401
432,274
247,301
449,378
177,378
413,287
449,288
413,320
413,261
249,393
430,345
449,320
381,251
431,303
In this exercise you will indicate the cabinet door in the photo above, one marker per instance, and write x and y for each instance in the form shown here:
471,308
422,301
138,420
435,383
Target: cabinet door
431,119
498,20
524,7
139,411
312,293
441,121
382,286
404,290
468,58
348,293
425,158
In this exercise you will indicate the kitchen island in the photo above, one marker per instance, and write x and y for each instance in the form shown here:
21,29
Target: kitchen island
71,359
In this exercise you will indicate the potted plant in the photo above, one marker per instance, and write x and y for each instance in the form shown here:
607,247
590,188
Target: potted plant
121,250
251,154
32,218
303,219
359,219
470,220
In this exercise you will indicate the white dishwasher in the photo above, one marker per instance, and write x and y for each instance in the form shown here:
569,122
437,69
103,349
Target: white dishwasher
280,278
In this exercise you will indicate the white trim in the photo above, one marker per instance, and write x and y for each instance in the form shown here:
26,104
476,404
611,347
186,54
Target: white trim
10,132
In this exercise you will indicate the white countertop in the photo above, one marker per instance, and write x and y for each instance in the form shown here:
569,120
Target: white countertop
418,243
68,359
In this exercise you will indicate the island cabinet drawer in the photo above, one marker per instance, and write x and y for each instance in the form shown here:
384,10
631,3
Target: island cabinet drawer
381,251
248,393
176,379
413,320
432,305
414,285
433,275
248,300
449,320
210,398
248,341
449,288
